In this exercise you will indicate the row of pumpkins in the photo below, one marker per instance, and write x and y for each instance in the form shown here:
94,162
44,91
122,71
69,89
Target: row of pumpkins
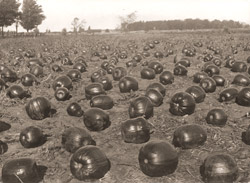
156,158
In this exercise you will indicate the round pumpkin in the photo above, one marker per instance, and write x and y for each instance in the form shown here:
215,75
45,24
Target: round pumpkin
157,86
219,168
241,80
239,67
9,75
166,77
31,137
128,84
106,82
74,109
36,70
89,163
229,62
219,80
156,66
147,73
104,102
141,106
56,68
180,70
197,92
62,81
38,108
243,97
228,94
155,96
182,103
62,94
94,89
29,80
158,158
16,91
118,73
189,136
212,70
73,138
208,85
74,75
80,66
96,119
198,76
135,130
216,117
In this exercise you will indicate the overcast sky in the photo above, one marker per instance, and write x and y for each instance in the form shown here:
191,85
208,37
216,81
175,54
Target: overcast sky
102,14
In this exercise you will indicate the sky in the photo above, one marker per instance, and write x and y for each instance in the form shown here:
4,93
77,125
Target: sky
104,14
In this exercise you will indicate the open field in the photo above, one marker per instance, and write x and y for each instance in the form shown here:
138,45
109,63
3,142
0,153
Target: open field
124,156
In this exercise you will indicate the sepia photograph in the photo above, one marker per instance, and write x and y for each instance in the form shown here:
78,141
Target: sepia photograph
124,91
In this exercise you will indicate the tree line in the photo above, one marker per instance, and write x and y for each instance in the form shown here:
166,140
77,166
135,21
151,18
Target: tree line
29,18
186,24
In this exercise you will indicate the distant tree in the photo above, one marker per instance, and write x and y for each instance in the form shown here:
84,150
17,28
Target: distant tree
81,29
8,13
77,24
32,15
128,19
64,31
17,21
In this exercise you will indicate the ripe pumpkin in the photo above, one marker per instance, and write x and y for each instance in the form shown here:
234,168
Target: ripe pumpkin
16,91
219,168
74,75
156,66
219,80
228,94
158,158
73,138
239,67
8,75
4,126
198,76
104,102
197,92
36,70
94,89
243,97
216,117
118,73
166,77
135,130
80,66
62,81
89,163
97,74
189,136
24,169
180,70
157,86
229,62
155,96
96,119
56,68
74,109
38,108
62,94
147,73
212,70
128,84
208,84
31,137
106,82
182,103
241,80
141,106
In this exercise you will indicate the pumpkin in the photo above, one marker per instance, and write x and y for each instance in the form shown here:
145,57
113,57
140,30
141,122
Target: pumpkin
219,80
158,54
156,66
228,94
80,66
4,126
128,84
2,85
74,109
147,73
62,81
110,69
158,158
3,147
241,80
157,86
216,117
135,130
243,97
239,67
62,94
189,136
16,91
197,92
106,82
36,70
96,75
105,65
217,62
184,62
166,77
29,80
89,163
74,75
38,108
31,137
182,103
155,96
73,138
198,76
94,89
9,75
180,70
229,62
34,62
208,85
102,101
219,168
212,70
96,119
66,61
118,73
141,106
56,68
24,169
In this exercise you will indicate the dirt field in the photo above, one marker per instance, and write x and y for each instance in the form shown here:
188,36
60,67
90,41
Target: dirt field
124,156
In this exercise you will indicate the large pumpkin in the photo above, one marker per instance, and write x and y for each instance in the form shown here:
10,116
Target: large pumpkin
243,97
197,92
128,84
62,81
